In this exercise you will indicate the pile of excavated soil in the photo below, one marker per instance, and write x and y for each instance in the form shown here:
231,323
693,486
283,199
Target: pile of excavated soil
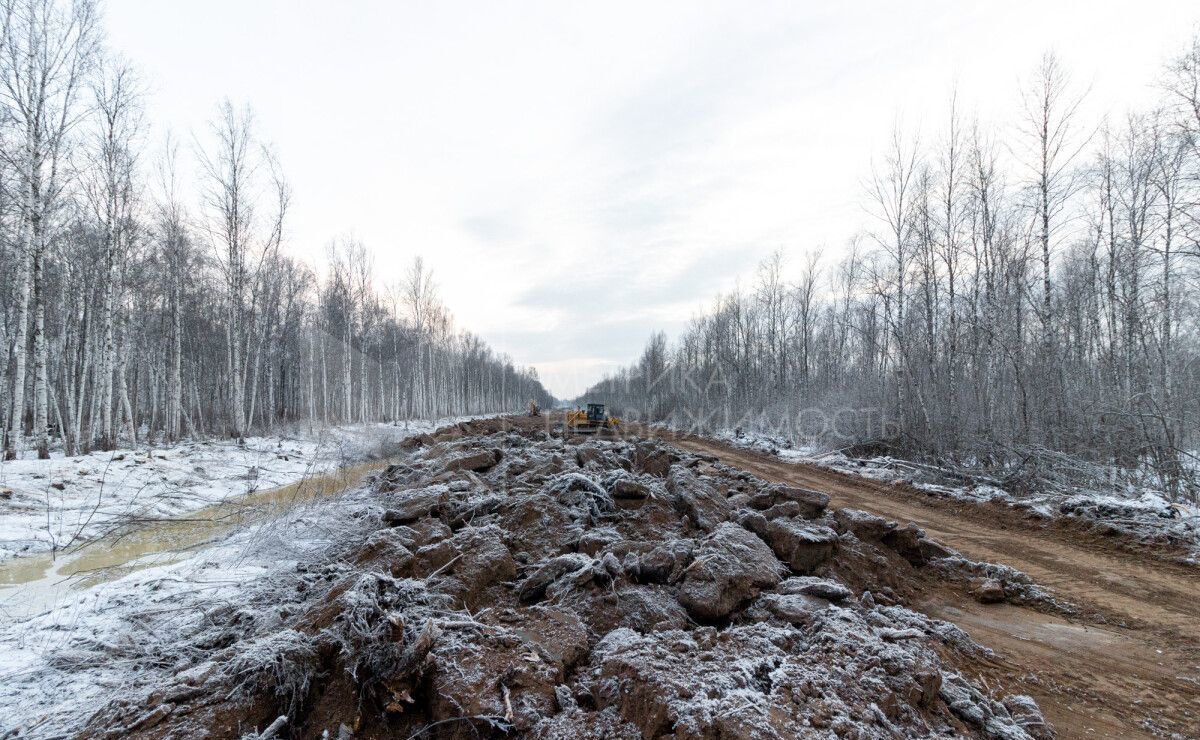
507,583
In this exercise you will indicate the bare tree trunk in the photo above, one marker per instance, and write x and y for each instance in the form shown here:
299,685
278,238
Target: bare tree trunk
15,434
175,359
127,407
41,439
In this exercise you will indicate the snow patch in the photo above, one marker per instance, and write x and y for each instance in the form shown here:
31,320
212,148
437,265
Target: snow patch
57,503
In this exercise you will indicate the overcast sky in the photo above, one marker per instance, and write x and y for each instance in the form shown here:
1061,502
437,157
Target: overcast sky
579,175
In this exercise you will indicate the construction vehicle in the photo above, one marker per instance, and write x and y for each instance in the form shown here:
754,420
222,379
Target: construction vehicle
591,421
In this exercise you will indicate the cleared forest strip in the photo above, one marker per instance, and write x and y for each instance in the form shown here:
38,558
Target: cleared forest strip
1138,518
414,537
1131,655
499,581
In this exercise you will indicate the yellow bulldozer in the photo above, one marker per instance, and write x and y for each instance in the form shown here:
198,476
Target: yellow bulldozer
593,419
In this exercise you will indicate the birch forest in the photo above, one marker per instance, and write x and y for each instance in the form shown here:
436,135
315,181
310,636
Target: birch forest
138,303
1026,299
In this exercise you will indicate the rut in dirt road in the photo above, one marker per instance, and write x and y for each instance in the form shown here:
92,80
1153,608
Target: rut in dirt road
1127,664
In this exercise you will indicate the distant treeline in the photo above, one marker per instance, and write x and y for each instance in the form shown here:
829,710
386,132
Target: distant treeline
126,310
1023,296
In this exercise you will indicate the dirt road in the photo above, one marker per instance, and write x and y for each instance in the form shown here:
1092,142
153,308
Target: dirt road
1130,667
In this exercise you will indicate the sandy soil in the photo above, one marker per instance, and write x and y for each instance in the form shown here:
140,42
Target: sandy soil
1127,666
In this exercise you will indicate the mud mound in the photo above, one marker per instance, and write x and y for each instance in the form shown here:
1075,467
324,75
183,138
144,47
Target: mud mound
511,584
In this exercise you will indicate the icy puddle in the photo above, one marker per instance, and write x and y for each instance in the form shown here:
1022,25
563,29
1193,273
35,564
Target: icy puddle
32,585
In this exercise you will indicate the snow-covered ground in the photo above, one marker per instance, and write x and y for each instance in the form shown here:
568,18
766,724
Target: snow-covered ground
70,637
57,503
1140,512
59,666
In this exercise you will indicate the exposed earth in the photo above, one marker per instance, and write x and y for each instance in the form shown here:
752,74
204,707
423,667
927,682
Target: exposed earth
504,581
1126,664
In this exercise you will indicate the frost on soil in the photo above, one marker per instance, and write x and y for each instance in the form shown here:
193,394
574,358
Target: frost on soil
497,582
1139,512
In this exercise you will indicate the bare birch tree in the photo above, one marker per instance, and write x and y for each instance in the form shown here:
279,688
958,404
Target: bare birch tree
48,48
